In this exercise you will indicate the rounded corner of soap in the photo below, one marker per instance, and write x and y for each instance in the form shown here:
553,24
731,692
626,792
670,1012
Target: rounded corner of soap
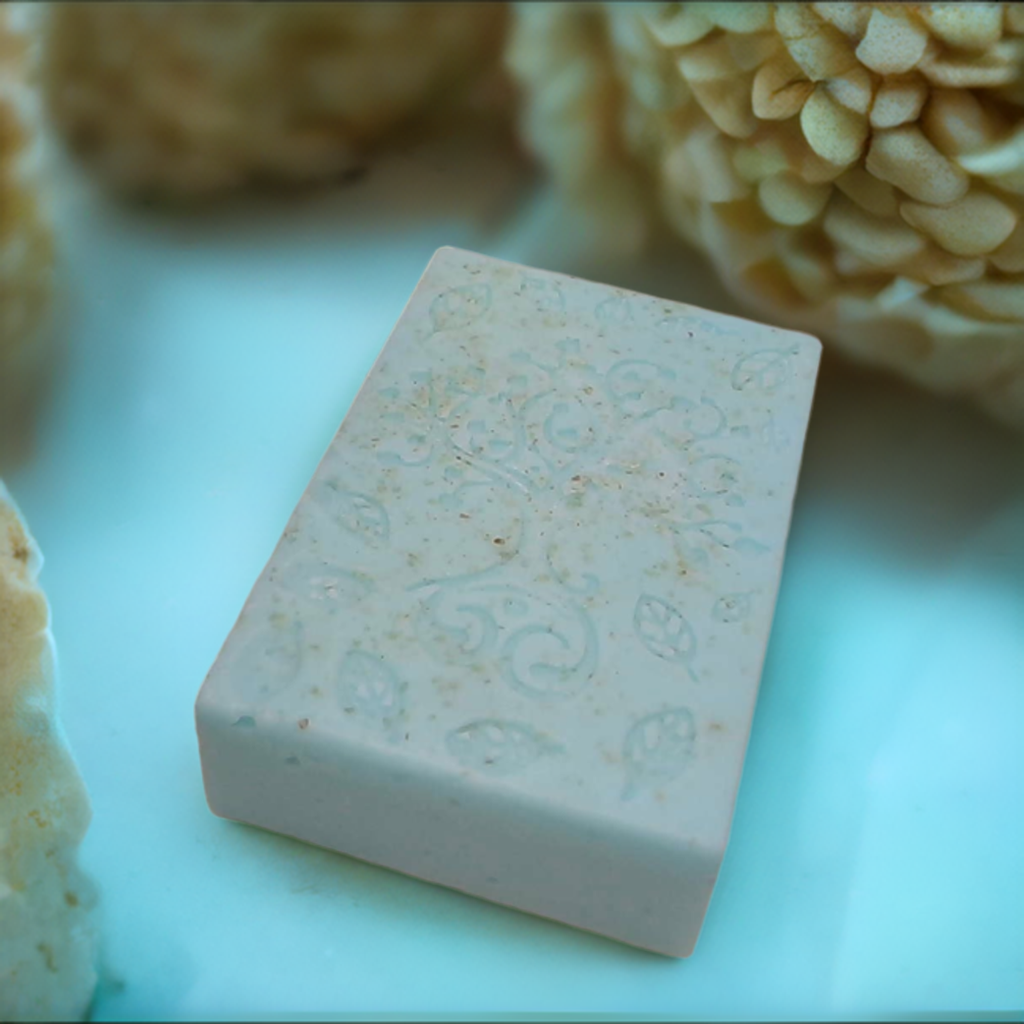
814,343
206,709
447,252
808,345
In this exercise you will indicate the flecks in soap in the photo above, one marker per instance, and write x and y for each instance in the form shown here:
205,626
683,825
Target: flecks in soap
664,631
658,749
732,608
498,747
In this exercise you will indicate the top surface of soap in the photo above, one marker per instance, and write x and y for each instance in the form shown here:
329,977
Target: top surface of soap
543,550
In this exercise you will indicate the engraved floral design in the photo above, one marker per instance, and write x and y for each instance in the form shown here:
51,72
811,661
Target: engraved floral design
536,436
370,689
359,513
658,749
498,747
544,644
764,370
356,513
326,583
664,631
537,430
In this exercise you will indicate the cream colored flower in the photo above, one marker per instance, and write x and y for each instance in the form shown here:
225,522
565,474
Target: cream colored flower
47,936
852,169
26,250
190,98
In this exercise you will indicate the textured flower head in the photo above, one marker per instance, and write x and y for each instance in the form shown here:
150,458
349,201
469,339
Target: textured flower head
853,169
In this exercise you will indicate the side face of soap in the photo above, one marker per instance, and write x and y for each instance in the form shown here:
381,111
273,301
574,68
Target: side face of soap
512,636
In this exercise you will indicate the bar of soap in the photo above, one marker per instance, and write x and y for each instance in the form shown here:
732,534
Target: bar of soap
48,939
511,639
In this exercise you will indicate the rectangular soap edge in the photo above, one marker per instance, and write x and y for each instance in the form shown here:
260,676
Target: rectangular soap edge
775,591
211,716
467,791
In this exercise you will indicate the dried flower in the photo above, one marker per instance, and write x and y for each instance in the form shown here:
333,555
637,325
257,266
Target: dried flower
852,169
48,940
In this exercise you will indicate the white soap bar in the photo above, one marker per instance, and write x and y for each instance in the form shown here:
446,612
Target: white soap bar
48,941
512,636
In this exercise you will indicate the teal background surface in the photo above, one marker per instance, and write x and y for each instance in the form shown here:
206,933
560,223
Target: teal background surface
876,866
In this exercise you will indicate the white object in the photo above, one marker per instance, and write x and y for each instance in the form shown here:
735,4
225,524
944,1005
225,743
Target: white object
511,638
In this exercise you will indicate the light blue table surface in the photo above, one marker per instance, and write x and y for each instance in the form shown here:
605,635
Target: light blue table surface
877,859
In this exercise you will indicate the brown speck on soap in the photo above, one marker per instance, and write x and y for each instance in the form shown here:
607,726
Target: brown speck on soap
303,723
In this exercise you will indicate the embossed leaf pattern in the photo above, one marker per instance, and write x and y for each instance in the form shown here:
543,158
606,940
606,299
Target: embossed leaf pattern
361,514
719,477
327,583
459,307
641,388
764,370
369,687
545,296
498,747
614,310
724,534
658,749
664,631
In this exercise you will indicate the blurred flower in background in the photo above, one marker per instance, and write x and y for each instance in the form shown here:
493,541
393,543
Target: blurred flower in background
193,98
